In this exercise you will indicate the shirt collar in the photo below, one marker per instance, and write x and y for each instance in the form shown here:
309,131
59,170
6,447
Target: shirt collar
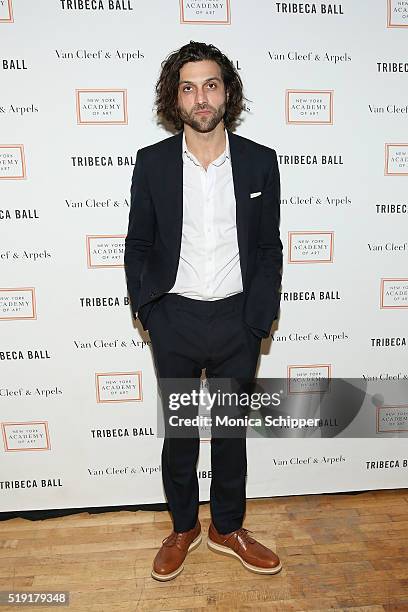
217,162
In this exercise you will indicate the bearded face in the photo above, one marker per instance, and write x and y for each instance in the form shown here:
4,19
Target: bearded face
201,95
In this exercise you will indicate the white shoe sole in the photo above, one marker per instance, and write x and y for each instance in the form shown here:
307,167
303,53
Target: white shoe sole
225,550
165,577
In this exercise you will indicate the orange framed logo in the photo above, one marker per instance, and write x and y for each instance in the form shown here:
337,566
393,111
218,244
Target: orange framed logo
101,106
17,303
105,251
12,162
310,247
397,14
211,12
396,159
394,293
392,419
308,378
117,387
6,11
309,107
26,436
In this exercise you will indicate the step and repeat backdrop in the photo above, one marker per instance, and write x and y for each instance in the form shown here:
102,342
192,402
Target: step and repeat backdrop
327,87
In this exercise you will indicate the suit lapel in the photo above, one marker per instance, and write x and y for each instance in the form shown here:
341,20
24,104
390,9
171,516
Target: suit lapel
241,176
173,183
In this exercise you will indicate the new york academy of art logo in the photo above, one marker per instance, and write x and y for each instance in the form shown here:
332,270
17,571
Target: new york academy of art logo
101,106
396,159
394,293
12,162
6,11
397,13
105,251
305,378
392,419
26,436
118,387
309,107
214,12
310,247
17,303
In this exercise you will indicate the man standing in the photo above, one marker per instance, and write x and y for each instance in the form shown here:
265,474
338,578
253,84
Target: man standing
203,261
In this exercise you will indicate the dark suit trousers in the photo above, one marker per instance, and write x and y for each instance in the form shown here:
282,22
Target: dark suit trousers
186,336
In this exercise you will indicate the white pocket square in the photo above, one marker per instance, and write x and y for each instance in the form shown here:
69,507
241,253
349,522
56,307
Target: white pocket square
255,194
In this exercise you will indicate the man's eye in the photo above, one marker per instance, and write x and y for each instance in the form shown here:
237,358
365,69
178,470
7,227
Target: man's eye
186,88
212,85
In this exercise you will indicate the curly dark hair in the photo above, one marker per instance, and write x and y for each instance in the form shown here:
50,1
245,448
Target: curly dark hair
167,84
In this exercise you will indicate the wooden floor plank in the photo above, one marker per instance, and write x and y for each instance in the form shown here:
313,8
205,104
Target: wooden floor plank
339,552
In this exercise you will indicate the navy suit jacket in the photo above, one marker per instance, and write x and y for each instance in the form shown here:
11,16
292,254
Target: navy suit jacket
153,241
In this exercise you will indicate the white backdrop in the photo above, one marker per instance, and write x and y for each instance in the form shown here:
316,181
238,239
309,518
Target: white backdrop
327,88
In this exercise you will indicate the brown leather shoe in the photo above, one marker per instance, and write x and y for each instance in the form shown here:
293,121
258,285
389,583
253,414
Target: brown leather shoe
169,561
253,555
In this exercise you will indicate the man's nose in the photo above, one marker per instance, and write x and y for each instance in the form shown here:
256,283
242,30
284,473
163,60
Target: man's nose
201,96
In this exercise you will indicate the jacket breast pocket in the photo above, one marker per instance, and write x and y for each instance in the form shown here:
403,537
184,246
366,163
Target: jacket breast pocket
255,195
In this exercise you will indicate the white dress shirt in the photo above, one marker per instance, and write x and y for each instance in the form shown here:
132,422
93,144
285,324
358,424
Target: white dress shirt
209,266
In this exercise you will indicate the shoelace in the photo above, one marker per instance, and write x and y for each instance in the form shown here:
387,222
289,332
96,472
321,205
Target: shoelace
244,534
173,538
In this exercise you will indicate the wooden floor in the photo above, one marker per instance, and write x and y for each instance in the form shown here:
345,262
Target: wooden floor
339,552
